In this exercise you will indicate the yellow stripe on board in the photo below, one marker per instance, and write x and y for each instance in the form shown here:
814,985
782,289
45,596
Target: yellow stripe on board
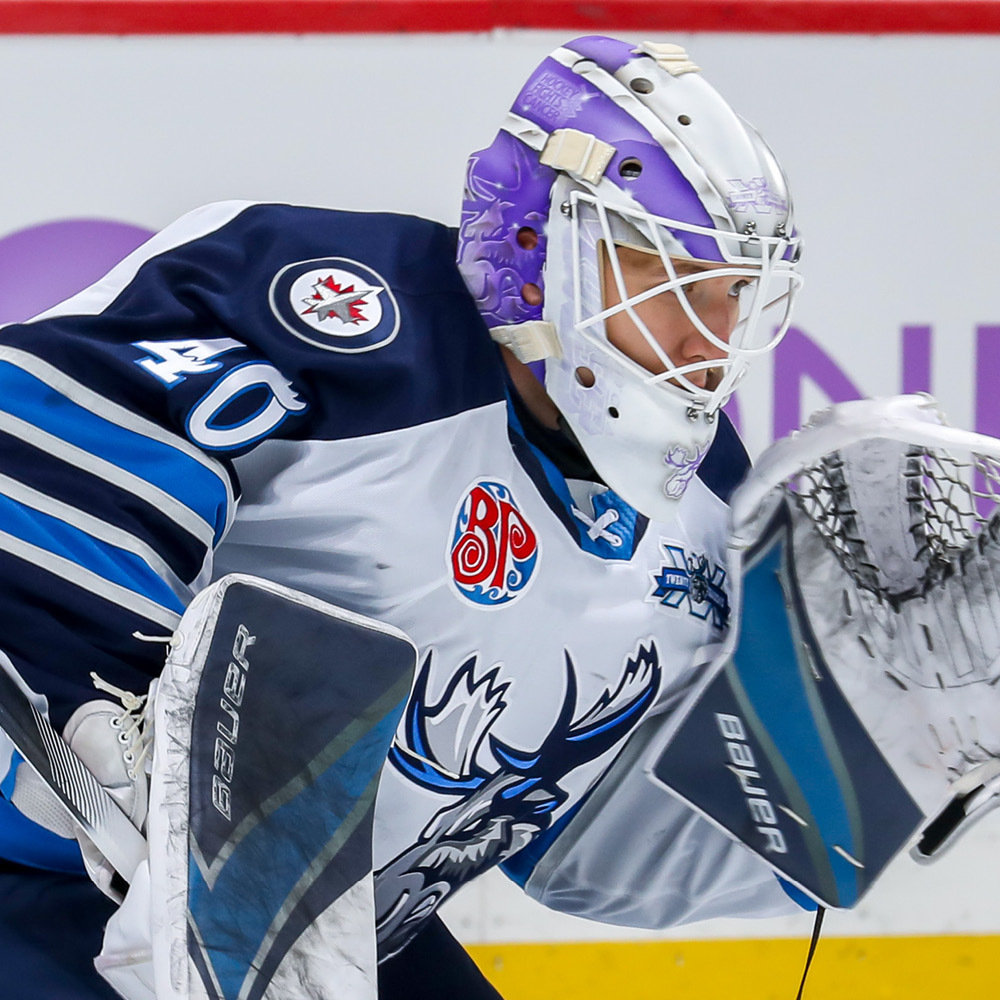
890,968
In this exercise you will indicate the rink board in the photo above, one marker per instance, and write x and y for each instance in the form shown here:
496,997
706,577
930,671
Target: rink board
906,968
922,933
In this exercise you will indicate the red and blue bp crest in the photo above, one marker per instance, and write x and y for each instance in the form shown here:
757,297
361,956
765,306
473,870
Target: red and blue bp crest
494,551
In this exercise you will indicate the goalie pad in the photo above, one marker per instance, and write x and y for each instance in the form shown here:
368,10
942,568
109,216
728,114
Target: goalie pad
273,716
855,704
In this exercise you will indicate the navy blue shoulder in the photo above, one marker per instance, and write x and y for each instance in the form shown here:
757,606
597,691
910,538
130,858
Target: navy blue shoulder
372,318
727,462
365,317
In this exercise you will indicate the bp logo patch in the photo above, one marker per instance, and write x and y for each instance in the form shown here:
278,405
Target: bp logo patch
336,304
494,551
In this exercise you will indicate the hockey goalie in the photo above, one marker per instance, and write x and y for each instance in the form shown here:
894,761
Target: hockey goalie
849,715
426,615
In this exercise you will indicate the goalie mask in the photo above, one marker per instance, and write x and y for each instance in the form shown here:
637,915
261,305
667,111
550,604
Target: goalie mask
623,194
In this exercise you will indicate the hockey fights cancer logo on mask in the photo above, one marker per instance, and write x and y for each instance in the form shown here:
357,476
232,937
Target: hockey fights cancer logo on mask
754,195
494,551
336,304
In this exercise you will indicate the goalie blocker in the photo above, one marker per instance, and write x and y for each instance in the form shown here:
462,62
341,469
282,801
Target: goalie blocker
854,707
273,717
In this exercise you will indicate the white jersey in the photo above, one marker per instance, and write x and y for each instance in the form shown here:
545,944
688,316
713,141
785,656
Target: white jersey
310,396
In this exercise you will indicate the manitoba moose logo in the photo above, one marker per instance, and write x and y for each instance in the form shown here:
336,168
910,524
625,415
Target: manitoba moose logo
494,551
754,195
495,796
335,303
690,579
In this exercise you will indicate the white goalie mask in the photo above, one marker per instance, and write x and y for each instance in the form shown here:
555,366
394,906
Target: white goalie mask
647,426
637,158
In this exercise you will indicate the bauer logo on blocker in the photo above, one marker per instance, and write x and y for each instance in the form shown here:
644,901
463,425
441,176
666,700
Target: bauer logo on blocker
335,303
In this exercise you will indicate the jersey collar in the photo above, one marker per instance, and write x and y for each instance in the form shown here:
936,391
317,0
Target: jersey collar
598,520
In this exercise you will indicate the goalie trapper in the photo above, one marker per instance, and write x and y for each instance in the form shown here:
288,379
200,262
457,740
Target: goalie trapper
854,708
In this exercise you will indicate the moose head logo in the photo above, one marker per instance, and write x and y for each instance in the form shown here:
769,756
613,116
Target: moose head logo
498,807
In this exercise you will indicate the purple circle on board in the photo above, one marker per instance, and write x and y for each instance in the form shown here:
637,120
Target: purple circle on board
44,264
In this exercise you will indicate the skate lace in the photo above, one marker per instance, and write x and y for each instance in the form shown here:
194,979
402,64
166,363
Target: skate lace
135,724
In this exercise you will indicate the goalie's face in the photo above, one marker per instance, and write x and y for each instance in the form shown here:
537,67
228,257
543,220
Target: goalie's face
681,323
653,337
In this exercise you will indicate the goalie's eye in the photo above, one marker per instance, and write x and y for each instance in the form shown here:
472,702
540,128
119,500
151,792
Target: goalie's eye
737,287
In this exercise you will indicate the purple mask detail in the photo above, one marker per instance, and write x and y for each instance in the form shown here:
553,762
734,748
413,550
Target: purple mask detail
663,190
556,97
548,97
43,265
506,190
610,53
683,465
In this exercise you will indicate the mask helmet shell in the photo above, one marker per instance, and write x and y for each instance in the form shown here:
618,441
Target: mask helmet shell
701,167
507,191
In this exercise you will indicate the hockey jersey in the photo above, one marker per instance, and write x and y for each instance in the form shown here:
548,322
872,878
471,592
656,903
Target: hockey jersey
311,396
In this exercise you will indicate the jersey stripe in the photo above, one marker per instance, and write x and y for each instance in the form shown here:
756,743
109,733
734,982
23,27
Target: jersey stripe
181,515
93,497
108,561
89,581
108,431
96,529
101,405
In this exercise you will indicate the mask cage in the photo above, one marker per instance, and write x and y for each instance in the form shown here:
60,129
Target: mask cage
766,262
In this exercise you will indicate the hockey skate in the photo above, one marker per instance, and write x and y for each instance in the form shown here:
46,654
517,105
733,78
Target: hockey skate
114,741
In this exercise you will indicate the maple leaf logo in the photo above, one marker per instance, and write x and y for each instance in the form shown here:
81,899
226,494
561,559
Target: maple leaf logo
343,303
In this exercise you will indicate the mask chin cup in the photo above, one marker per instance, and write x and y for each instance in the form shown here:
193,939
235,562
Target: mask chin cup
645,440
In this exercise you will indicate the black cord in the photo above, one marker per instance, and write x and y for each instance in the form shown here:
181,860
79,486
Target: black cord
817,927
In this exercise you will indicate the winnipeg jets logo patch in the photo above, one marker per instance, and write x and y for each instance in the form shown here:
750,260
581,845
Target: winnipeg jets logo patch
336,304
494,551
341,300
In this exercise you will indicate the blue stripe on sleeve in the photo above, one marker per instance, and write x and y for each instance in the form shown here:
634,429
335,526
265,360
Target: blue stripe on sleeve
95,496
169,469
108,561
